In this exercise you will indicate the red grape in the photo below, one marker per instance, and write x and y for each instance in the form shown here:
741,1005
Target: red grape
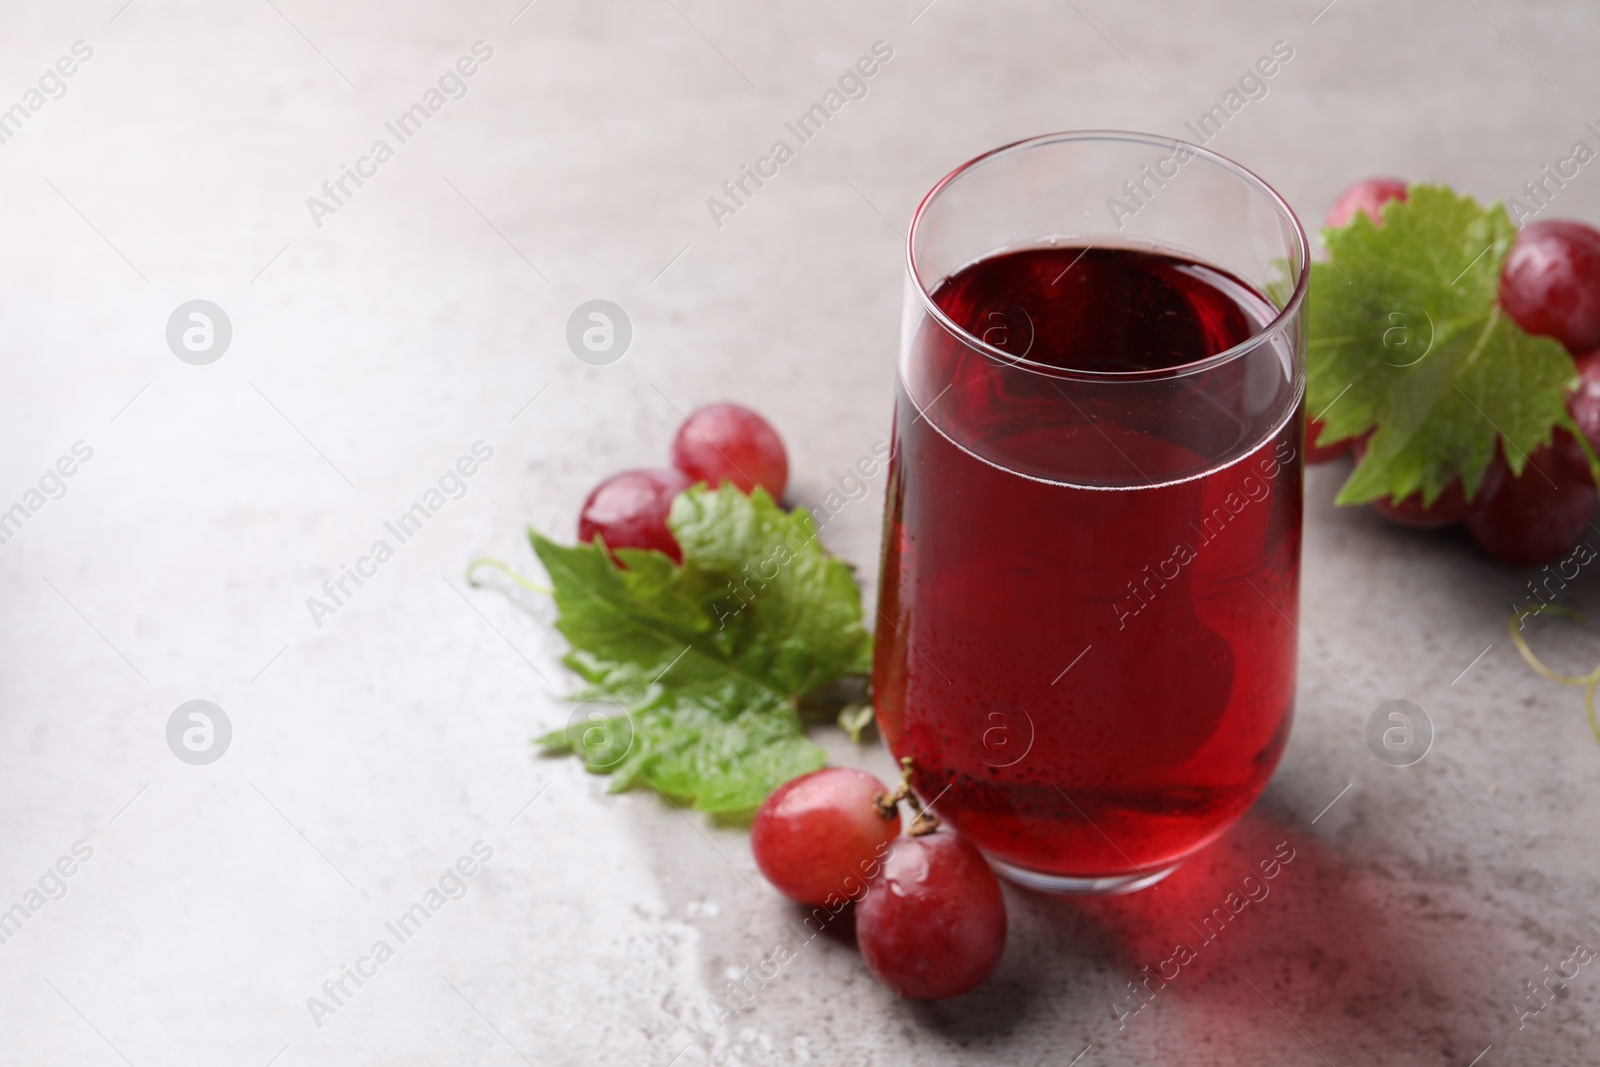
730,443
1550,284
1542,515
1316,453
933,922
1369,195
629,510
1584,403
819,838
1449,507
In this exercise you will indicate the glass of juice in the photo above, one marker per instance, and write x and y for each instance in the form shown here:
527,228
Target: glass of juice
1087,632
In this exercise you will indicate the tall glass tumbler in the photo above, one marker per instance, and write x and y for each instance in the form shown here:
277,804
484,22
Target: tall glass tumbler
1086,639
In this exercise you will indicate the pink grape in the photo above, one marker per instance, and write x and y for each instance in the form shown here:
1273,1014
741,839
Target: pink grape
730,443
629,510
1368,195
819,837
1550,284
933,922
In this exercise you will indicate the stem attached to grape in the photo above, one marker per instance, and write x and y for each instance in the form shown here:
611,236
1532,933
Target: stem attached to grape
888,804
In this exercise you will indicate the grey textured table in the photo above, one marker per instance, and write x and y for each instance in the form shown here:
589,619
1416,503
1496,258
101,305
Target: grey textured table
378,336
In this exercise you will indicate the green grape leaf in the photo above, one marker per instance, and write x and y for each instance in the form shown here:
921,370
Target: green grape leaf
703,666
1407,340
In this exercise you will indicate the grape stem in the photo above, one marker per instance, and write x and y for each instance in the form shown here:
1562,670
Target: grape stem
1590,682
888,804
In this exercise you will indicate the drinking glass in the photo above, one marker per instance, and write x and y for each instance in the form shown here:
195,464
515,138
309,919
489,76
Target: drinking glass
1086,636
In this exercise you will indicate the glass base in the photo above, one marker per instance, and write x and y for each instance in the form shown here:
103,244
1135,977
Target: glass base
1067,886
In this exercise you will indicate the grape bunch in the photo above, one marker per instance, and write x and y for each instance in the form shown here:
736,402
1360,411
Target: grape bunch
930,919
1549,286
717,444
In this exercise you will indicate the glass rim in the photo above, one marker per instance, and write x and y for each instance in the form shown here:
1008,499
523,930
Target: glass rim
1268,330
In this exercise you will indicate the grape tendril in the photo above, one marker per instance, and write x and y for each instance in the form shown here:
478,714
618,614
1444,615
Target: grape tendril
1590,682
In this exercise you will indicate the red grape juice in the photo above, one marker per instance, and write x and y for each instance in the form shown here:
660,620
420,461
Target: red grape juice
1086,638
